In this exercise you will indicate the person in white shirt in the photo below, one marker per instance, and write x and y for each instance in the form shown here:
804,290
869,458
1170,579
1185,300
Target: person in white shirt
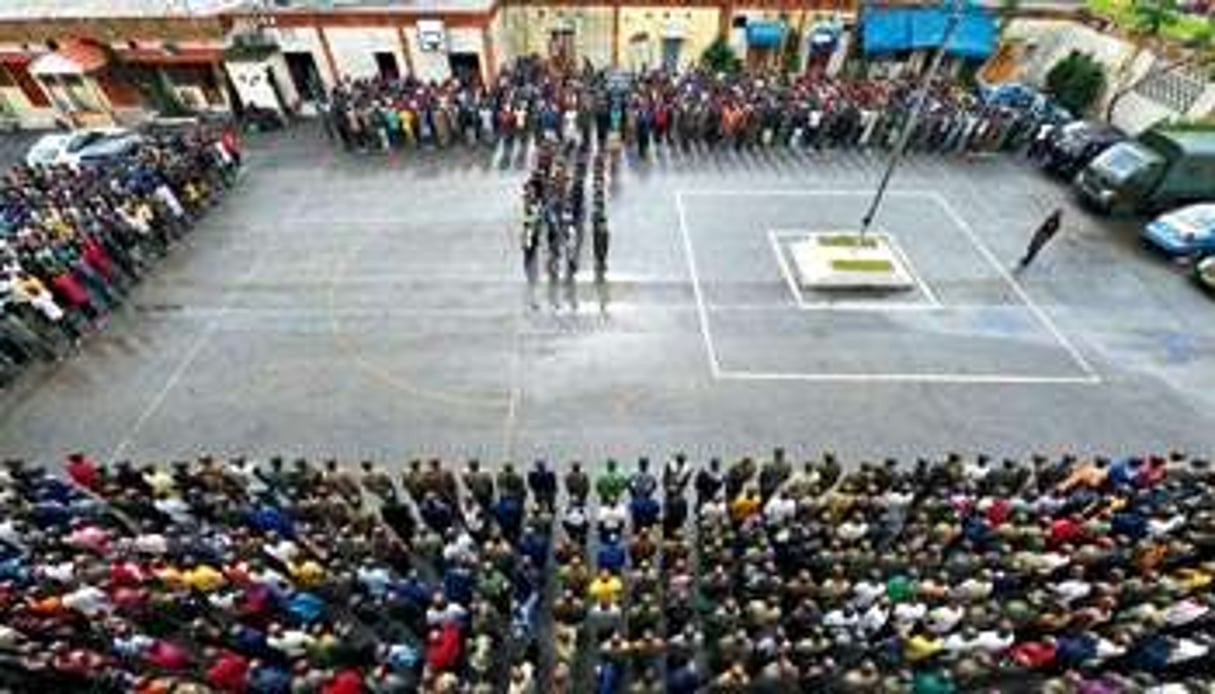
840,619
866,591
993,641
87,600
780,510
442,612
908,613
943,618
874,619
293,643
612,518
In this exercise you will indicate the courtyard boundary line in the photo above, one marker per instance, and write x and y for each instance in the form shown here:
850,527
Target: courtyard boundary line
187,360
938,378
697,292
1089,376
1034,308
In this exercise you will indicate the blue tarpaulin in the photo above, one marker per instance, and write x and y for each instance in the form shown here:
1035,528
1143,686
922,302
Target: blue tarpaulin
886,30
765,34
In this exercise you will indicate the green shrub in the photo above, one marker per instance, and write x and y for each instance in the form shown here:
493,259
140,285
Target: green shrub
1076,81
719,57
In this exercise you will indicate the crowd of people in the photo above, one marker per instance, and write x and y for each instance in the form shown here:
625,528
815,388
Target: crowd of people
688,110
554,213
74,239
960,574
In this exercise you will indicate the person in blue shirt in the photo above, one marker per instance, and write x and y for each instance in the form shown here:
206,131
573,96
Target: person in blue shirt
611,555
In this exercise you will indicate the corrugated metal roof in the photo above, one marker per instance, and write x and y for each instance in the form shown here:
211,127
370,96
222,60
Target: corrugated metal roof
51,9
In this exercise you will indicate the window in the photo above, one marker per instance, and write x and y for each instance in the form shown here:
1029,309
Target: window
1177,91
72,93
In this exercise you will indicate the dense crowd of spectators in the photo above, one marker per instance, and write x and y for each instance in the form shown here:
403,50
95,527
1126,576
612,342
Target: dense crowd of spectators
688,110
74,239
1060,575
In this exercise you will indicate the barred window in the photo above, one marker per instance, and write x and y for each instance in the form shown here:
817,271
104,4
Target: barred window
1176,90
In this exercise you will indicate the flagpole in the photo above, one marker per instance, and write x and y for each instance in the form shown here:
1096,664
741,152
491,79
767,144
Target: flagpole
921,98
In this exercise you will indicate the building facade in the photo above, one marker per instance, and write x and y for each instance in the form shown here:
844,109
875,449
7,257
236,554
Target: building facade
82,62
89,69
79,65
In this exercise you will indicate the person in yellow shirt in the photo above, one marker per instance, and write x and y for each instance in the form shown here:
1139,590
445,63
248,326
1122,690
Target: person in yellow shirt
407,125
922,646
745,505
307,573
1193,579
170,576
204,578
606,588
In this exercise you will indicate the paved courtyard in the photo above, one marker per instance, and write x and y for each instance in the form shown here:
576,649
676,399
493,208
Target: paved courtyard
374,306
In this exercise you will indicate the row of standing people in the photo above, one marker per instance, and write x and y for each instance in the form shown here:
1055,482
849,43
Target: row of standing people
688,110
555,213
75,239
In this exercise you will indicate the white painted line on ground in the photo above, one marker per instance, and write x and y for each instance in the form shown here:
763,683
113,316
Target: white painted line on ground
941,378
774,241
798,192
701,311
1038,312
1090,376
175,376
915,276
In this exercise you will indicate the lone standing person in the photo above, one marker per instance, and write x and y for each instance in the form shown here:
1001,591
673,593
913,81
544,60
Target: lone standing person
1046,231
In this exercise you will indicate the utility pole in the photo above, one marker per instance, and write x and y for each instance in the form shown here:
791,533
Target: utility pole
921,97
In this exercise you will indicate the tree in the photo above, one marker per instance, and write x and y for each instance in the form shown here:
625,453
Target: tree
719,57
791,53
1199,51
1076,81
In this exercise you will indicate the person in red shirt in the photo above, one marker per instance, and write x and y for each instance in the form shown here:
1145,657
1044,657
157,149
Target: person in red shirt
1065,531
1036,655
1153,473
168,656
348,681
229,673
443,648
84,472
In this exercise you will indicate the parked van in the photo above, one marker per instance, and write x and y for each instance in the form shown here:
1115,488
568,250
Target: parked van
1162,168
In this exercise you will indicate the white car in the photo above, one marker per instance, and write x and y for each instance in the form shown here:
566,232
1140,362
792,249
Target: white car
88,146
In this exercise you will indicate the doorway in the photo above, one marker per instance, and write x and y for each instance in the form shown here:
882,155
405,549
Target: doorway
465,67
562,50
671,47
304,75
386,66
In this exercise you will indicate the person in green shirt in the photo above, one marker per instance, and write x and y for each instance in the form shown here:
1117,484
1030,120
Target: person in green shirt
932,682
611,484
900,588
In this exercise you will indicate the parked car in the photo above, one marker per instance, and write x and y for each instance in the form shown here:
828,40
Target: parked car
1162,168
1024,97
1189,231
87,146
1204,273
1071,147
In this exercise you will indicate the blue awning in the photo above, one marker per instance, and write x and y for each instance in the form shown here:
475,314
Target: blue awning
765,34
886,30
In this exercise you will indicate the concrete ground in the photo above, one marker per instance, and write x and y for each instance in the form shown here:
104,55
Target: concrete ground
375,306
